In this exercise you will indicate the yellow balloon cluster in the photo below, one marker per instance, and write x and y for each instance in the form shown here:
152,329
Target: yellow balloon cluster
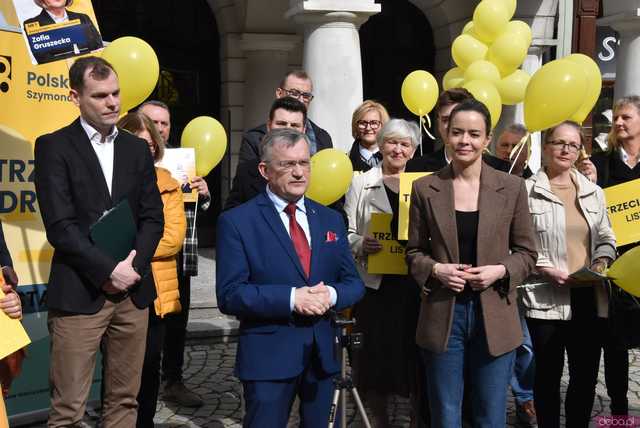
209,139
488,54
331,174
563,89
625,271
136,64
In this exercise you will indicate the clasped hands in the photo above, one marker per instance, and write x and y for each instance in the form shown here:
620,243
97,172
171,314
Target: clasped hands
315,300
123,276
455,276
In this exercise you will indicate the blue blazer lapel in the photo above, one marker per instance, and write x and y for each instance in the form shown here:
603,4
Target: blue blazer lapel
317,238
274,222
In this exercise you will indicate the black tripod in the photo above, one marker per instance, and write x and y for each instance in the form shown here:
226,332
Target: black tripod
343,382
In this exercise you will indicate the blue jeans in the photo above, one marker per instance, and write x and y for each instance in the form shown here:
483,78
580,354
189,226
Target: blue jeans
524,369
489,375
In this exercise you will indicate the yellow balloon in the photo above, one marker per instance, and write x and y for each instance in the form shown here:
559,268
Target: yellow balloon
468,28
466,49
331,174
507,53
520,28
554,94
490,19
511,7
453,78
419,92
512,88
209,139
137,67
594,85
482,70
625,272
487,94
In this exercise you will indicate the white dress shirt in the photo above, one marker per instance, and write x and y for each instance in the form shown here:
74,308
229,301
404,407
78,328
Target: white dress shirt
57,20
301,217
103,148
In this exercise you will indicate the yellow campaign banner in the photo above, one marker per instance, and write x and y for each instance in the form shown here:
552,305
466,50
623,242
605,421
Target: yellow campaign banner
623,206
406,181
35,100
391,258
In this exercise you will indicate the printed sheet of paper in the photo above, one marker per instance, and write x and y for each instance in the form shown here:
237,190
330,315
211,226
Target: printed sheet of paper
406,181
13,336
182,165
623,206
391,258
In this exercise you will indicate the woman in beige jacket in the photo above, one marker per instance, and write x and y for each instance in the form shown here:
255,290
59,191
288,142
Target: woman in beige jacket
573,231
163,266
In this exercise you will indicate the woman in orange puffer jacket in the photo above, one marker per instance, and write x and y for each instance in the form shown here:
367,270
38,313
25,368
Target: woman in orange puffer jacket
163,266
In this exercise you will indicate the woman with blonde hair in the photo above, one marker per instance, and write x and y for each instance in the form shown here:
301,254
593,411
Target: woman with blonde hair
563,315
163,266
366,122
620,164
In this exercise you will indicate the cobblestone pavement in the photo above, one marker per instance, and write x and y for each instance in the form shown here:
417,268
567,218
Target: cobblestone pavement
209,371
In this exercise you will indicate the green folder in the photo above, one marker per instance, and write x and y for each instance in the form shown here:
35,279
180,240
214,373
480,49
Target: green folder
115,232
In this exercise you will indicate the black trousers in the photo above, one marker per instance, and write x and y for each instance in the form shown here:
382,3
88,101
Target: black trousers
616,373
176,332
550,340
150,383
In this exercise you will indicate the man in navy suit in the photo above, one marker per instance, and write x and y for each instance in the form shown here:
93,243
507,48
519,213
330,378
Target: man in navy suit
283,262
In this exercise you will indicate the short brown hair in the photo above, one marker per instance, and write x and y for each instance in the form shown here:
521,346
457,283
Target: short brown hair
100,70
300,74
549,132
364,108
136,122
452,96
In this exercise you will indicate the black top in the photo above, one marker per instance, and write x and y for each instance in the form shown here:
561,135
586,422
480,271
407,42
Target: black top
612,170
394,201
5,257
467,226
357,161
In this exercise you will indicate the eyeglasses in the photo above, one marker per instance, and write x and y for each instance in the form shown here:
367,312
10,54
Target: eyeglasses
373,124
307,96
289,165
563,145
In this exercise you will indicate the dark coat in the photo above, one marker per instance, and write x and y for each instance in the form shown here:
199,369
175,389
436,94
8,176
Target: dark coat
5,257
357,162
505,236
73,194
250,146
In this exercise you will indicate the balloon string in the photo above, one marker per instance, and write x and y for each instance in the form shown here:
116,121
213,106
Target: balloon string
425,128
515,152
421,126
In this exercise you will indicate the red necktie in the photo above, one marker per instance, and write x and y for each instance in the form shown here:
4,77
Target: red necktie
299,239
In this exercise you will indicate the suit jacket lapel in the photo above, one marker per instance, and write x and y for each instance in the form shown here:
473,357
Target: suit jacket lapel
84,148
317,238
490,204
119,167
275,223
378,196
443,207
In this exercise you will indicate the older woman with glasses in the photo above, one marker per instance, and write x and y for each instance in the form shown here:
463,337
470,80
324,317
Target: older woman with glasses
366,122
387,314
572,231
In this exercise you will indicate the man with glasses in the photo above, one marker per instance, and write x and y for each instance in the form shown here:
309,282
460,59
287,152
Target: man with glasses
286,262
295,84
285,112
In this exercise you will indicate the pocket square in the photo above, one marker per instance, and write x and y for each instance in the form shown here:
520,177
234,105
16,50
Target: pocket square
331,237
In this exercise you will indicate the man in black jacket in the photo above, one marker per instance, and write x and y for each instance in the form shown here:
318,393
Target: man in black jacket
81,171
437,160
295,84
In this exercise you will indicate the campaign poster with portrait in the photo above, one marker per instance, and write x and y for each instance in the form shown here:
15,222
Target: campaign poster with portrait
57,29
182,165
